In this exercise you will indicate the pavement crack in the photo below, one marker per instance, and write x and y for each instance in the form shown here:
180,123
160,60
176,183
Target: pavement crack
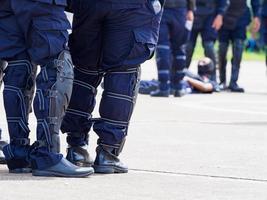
199,175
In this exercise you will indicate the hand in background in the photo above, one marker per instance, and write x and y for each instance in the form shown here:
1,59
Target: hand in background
218,22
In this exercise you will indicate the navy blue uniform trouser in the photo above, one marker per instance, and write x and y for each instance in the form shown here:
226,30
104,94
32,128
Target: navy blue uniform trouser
236,37
171,52
30,32
208,36
109,41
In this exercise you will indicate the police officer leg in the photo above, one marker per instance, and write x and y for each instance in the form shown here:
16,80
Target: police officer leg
223,48
190,47
3,65
179,70
54,87
163,58
236,61
17,101
209,52
120,88
45,26
77,121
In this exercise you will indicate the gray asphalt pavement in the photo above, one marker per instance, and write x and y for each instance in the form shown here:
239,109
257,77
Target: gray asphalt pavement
199,147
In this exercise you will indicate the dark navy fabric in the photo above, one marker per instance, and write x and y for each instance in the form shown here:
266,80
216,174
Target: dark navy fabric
204,17
171,54
32,29
109,41
207,32
238,14
234,31
188,4
30,32
264,8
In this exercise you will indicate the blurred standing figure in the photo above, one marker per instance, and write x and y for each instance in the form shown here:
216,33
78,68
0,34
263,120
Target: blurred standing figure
235,21
171,50
264,24
110,39
208,20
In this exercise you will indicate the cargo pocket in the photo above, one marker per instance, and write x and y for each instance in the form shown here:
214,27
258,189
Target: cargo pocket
48,36
145,40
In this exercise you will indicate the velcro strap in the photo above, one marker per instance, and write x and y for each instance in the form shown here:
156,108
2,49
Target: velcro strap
117,148
20,141
58,63
40,143
52,120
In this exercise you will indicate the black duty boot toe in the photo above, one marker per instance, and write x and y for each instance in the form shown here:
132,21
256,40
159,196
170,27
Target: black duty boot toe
78,155
222,86
179,93
107,161
2,156
64,169
236,88
160,93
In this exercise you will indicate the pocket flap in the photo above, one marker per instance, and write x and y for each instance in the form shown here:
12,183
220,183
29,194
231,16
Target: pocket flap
146,36
46,23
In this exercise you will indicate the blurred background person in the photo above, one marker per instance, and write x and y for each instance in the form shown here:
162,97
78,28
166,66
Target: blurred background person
175,26
264,26
207,21
235,22
192,82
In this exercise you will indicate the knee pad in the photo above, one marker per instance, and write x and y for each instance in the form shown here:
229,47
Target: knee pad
54,87
19,80
78,115
117,104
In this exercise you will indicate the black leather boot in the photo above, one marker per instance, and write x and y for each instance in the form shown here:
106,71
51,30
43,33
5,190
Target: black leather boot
236,61
78,155
2,156
234,87
107,161
160,93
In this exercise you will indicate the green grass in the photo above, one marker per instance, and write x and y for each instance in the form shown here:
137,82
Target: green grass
247,56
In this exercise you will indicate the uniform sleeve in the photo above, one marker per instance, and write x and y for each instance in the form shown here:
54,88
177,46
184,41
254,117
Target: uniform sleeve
191,4
256,7
222,6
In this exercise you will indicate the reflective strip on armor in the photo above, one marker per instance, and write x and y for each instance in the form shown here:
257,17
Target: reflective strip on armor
163,71
167,47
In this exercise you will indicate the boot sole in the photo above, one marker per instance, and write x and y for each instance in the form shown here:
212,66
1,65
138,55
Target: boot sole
2,161
58,174
109,169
